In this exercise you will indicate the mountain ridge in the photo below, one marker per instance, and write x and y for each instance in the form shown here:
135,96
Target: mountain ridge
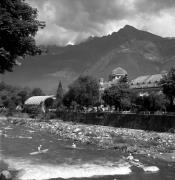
137,51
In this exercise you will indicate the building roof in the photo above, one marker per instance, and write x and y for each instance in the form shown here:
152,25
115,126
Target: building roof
119,71
37,100
146,81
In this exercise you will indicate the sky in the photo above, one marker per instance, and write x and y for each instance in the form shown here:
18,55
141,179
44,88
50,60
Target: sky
73,21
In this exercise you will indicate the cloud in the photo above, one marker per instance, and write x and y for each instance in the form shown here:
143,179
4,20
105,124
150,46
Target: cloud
72,21
65,73
154,6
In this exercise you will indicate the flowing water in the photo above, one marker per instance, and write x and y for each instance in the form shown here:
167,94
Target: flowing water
62,161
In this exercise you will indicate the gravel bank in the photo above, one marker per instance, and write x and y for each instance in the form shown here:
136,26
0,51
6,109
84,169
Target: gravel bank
160,145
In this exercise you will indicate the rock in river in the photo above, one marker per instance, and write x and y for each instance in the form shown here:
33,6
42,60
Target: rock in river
5,175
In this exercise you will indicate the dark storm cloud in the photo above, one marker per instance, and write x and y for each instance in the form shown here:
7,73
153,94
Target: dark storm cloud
71,21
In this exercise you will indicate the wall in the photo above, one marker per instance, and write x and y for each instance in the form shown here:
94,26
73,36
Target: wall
135,121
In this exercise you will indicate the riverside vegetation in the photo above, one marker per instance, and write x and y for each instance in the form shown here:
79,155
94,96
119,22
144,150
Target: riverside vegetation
84,92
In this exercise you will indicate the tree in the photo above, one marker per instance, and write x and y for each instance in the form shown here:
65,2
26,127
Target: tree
158,102
68,98
168,86
152,102
110,77
59,95
37,92
84,91
23,94
18,26
118,96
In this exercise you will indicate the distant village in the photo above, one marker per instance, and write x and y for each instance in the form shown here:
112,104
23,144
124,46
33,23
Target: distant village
143,84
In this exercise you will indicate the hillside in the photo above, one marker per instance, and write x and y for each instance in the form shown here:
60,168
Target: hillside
139,52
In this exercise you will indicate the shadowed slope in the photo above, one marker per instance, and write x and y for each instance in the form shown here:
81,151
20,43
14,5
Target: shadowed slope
139,52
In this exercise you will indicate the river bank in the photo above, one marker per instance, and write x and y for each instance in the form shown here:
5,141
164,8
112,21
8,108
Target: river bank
153,144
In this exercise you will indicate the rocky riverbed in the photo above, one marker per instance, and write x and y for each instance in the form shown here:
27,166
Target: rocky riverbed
157,145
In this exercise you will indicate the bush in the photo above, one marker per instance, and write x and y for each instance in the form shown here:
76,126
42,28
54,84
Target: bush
50,115
33,111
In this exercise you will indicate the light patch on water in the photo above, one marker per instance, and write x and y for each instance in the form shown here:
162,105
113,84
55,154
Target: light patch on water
48,171
30,131
25,137
151,169
13,137
8,128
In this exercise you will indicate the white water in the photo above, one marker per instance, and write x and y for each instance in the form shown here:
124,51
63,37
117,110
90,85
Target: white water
65,161
151,169
25,137
31,170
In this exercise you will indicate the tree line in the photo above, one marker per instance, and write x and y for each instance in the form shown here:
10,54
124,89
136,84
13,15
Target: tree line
84,92
11,96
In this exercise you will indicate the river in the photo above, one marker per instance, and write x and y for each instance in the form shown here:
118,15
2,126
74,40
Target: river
18,148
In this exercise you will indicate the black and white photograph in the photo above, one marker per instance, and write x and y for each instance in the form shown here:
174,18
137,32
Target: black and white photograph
87,89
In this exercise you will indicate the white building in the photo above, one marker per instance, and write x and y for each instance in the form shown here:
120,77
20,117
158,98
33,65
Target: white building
114,78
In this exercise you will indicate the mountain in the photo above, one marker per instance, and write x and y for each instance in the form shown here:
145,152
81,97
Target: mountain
138,52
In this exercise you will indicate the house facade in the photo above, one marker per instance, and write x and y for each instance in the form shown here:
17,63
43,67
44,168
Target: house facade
144,85
113,78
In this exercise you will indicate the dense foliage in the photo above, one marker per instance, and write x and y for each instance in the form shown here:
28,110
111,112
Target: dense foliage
168,86
36,92
84,92
118,95
152,102
11,96
18,26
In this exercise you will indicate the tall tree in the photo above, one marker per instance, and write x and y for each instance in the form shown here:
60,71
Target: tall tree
37,92
59,94
118,96
23,94
18,26
168,85
84,91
